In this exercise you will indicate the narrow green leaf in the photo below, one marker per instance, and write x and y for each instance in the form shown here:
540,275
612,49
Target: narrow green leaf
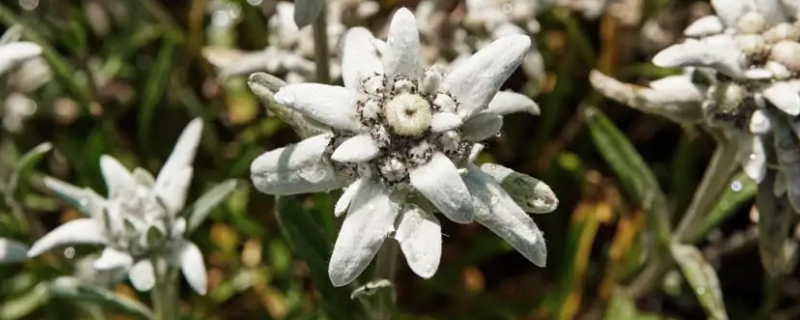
70,288
155,85
207,202
22,306
28,161
774,220
620,307
702,278
740,190
635,176
310,244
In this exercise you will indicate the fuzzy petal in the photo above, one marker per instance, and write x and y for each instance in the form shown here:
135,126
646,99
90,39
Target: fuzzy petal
482,126
505,102
753,157
142,276
403,57
476,81
420,238
783,96
84,199
704,26
759,122
722,56
531,194
360,148
330,105
370,219
359,57
439,181
730,10
189,258
79,231
12,251
294,169
495,209
347,196
173,180
444,121
117,178
15,53
112,259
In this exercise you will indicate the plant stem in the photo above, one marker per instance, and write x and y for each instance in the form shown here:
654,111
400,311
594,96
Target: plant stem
320,26
715,180
386,268
165,293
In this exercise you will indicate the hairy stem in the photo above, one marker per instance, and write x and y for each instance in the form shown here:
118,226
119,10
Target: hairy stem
715,180
386,268
320,26
165,293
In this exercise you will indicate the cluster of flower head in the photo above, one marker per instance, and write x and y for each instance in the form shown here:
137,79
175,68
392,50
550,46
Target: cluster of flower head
401,140
741,76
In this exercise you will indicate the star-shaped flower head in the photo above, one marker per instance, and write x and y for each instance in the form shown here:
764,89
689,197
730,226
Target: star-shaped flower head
139,223
399,139
740,74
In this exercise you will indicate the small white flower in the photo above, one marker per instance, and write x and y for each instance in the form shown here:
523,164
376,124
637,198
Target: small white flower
139,222
397,129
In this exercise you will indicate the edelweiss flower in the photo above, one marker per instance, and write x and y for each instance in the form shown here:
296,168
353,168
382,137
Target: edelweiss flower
139,222
740,75
16,107
397,131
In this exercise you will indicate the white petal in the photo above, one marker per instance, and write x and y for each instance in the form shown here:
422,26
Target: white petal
476,81
482,126
142,276
86,200
176,175
730,10
359,57
190,260
753,157
439,181
112,259
772,11
531,194
117,178
348,195
360,148
475,152
420,238
784,97
759,122
143,177
294,169
79,231
495,209
330,105
403,57
15,53
370,219
443,121
720,56
704,26
505,102
12,251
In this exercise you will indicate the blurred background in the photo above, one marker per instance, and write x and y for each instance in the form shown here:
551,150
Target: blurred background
123,77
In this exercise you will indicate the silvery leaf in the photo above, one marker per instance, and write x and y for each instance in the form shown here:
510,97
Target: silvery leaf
12,251
305,11
74,289
531,194
208,202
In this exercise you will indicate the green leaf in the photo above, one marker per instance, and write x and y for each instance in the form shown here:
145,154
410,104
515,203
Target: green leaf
310,244
774,220
702,278
21,306
208,202
26,163
154,87
740,190
636,178
620,307
70,288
